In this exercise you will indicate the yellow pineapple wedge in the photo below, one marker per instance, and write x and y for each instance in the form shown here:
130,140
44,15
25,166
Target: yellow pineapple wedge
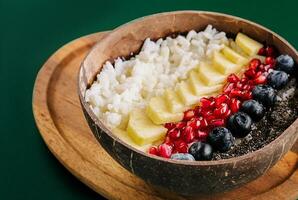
210,76
199,87
234,56
157,110
248,45
142,130
174,103
223,65
185,93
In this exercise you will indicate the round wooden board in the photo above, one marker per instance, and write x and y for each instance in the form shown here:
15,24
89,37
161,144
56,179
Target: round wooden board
60,120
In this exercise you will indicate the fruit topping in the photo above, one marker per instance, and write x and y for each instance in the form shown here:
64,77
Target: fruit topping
254,109
248,45
265,94
182,156
221,139
153,150
239,124
285,63
165,150
201,151
277,79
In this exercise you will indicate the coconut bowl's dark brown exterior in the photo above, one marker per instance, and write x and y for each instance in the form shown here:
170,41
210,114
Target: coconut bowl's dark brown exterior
188,178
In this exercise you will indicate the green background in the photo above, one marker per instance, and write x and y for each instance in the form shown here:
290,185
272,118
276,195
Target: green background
30,31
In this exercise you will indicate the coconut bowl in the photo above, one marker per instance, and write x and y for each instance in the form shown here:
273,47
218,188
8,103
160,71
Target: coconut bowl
183,177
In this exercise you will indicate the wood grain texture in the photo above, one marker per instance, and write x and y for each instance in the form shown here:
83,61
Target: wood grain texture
61,123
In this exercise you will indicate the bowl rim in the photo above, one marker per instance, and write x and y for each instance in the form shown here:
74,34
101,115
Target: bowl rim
109,132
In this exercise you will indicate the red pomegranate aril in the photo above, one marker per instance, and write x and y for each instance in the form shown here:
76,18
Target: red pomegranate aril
153,150
235,93
204,123
250,73
254,63
246,95
197,110
217,122
168,141
244,80
205,103
222,98
170,126
226,114
260,80
210,118
188,114
202,135
165,150
189,135
227,89
262,51
180,125
261,67
246,87
267,67
269,61
181,146
235,105
270,51
206,113
239,85
232,78
221,110
174,134
194,123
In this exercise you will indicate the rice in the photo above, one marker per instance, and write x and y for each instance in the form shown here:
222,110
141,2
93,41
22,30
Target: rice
129,84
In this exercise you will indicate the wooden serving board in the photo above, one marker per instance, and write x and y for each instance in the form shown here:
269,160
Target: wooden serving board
60,120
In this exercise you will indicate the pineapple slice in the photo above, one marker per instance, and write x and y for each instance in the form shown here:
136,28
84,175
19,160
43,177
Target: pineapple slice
248,45
173,102
199,88
142,130
186,95
234,56
223,65
158,112
209,76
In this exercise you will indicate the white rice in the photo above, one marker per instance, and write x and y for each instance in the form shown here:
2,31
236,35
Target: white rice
160,65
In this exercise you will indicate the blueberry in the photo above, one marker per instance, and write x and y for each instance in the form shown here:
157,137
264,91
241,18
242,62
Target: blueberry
285,63
264,94
201,151
239,124
254,109
277,79
221,139
182,156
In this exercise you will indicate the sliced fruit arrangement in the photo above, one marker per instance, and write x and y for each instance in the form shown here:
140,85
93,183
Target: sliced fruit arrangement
214,123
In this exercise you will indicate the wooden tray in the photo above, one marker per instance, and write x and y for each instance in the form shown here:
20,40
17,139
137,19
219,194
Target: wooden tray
60,120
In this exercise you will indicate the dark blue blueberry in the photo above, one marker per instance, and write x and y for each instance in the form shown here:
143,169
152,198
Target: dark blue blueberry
264,94
182,156
254,109
277,79
201,151
239,124
285,63
221,139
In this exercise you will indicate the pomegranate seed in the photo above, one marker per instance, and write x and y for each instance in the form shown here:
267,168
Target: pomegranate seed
180,125
250,73
260,80
206,113
244,80
181,146
270,51
210,118
222,109
235,105
217,122
189,134
269,61
239,85
207,103
153,150
170,126
197,110
246,95
232,78
202,135
226,114
188,114
165,150
222,98
267,67
235,93
194,123
262,51
246,87
261,67
227,89
174,133
254,63
204,123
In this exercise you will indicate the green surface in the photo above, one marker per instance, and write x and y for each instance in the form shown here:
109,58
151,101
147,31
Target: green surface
32,30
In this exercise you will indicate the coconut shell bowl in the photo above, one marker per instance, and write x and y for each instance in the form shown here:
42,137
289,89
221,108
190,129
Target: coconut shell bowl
183,177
